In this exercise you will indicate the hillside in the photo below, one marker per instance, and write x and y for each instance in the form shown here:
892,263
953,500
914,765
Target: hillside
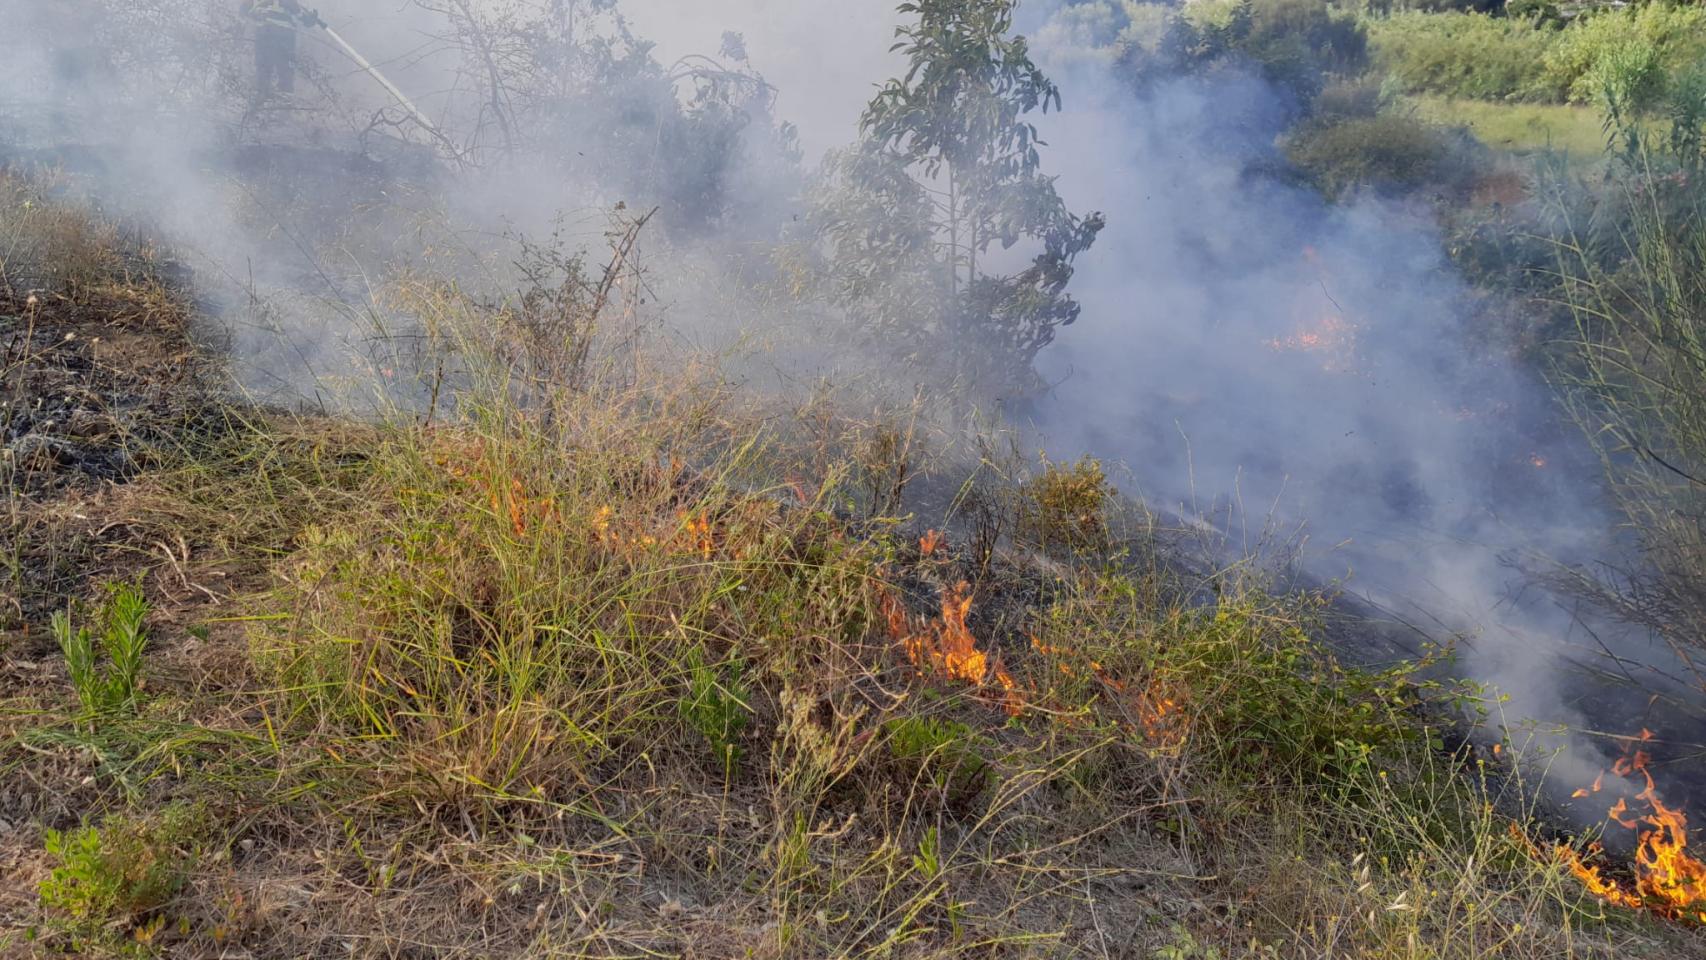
1178,481
644,676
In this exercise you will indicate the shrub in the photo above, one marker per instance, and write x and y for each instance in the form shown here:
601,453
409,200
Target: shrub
1467,55
1350,99
1065,509
1540,12
1675,36
1299,44
107,879
1390,151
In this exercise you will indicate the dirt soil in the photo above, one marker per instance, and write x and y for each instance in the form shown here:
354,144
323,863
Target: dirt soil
96,387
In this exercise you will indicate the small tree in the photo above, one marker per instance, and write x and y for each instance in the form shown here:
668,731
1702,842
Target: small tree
949,167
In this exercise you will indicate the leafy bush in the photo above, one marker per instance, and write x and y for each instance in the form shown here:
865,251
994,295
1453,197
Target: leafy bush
1468,55
1390,151
1298,44
121,638
1674,35
106,879
1527,57
1542,12
1347,99
1240,688
1066,507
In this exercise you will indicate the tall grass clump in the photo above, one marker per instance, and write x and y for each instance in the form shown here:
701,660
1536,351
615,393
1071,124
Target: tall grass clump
1632,275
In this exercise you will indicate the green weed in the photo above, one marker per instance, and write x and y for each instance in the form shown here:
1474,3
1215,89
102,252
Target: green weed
943,754
107,879
119,636
716,707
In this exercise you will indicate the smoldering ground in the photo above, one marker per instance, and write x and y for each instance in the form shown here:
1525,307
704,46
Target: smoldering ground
1248,352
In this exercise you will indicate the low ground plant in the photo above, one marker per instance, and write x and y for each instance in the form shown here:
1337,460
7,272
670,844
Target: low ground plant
105,663
109,881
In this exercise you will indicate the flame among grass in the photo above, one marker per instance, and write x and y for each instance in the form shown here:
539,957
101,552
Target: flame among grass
1668,880
1333,338
945,647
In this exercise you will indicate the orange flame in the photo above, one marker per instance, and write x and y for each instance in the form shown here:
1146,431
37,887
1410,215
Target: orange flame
698,532
946,646
1160,712
1162,715
931,542
1668,879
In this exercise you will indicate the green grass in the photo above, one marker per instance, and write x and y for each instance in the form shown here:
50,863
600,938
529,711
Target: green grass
1521,128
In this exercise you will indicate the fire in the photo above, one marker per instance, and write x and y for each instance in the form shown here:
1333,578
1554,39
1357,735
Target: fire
1334,337
693,533
1538,461
521,508
698,533
1668,879
946,646
1161,713
1159,706
931,542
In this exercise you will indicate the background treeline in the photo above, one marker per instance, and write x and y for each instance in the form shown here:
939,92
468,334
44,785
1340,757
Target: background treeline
1531,53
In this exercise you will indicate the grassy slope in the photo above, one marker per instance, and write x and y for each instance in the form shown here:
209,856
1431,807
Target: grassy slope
647,682
1520,127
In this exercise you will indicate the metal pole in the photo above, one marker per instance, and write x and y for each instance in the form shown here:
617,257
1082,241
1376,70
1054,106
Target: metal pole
373,72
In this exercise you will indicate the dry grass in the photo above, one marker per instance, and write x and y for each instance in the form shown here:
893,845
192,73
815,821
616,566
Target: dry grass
573,667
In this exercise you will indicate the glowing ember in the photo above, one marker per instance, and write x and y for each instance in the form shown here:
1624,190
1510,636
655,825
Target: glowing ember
931,542
1538,461
1332,337
1668,879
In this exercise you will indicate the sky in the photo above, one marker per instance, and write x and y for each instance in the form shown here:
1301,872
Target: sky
825,57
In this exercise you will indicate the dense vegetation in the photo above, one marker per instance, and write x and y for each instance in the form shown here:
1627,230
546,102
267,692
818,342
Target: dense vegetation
580,650
1483,57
